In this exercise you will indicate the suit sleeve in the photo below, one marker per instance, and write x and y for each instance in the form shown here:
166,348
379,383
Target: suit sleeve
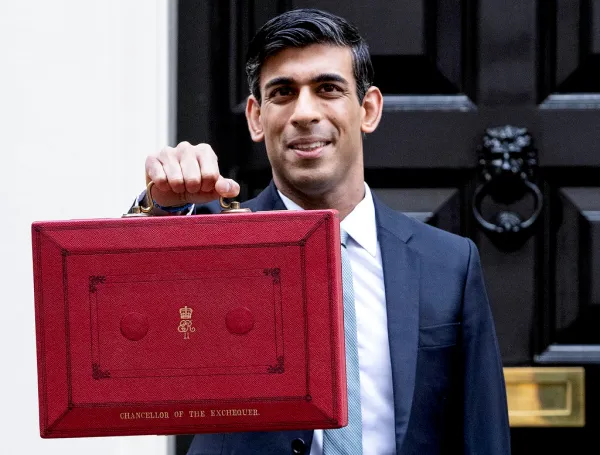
486,429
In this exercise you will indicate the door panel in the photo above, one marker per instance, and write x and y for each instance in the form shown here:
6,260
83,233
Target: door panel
577,297
449,70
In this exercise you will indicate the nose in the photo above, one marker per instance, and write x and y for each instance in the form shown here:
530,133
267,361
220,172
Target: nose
306,109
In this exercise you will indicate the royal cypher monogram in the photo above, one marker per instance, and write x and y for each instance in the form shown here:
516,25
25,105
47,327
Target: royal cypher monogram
185,325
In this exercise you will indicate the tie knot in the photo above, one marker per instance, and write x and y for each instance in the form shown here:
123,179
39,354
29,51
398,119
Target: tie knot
343,237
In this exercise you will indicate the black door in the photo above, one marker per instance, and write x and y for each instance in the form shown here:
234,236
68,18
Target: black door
508,89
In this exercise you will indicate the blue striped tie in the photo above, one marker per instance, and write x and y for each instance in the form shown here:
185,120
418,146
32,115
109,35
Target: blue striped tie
348,440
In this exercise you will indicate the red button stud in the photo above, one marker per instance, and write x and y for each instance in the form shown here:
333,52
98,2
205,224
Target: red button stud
134,326
239,320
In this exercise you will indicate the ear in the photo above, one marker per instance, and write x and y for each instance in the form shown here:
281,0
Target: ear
372,107
253,118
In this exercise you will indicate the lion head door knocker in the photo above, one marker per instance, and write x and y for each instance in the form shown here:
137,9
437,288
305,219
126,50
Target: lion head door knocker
508,164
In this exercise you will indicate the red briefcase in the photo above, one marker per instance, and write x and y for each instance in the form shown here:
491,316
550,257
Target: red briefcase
191,324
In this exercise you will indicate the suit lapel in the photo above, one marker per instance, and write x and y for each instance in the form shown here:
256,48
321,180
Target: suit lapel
268,199
401,277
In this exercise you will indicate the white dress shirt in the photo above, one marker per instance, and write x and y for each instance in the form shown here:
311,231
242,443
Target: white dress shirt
377,396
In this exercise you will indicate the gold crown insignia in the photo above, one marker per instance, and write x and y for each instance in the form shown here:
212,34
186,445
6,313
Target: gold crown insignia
185,312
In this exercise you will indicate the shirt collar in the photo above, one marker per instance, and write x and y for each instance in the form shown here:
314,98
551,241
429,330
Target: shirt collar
359,224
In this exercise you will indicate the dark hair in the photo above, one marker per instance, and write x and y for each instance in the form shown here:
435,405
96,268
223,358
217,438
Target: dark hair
303,27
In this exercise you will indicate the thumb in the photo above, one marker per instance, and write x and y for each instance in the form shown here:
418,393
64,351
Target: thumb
227,187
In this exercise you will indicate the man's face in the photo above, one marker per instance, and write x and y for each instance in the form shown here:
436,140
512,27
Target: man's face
310,119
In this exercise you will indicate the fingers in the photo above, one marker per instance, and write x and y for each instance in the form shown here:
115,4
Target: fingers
155,173
169,159
224,187
187,173
192,175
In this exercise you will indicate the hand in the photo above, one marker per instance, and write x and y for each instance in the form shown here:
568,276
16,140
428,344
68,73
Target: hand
187,174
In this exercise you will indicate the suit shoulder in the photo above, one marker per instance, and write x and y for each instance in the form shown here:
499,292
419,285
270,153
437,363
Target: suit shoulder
431,233
422,237
436,243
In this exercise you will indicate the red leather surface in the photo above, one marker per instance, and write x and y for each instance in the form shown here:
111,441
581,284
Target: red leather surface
179,325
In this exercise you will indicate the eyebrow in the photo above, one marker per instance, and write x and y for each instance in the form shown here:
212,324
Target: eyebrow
324,77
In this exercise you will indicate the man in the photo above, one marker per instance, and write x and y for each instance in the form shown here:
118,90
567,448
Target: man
431,379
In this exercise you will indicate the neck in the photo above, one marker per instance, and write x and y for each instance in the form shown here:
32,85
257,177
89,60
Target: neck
343,198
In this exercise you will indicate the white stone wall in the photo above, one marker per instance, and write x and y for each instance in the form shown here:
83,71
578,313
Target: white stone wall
84,97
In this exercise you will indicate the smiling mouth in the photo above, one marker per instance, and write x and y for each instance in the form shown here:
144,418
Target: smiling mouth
309,149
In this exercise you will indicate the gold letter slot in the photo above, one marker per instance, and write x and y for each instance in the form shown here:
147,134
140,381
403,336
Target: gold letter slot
545,396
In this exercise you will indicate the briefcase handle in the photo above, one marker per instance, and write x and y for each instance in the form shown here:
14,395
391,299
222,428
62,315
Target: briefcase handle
231,207
226,207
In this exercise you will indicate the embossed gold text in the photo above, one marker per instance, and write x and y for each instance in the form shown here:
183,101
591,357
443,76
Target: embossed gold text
233,412
143,415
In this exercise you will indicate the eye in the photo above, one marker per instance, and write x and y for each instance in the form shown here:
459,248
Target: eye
329,88
281,91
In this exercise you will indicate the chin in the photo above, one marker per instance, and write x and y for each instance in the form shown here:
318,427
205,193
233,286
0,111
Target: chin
311,183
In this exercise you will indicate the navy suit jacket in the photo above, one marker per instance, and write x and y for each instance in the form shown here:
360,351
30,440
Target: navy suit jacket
448,383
